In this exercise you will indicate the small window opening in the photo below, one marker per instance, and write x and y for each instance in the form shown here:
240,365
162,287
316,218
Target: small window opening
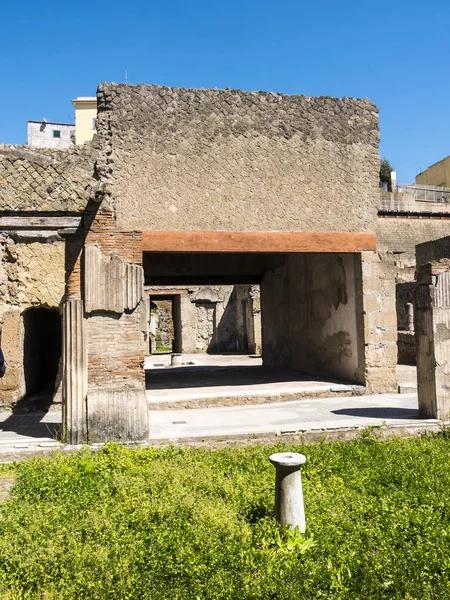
56,133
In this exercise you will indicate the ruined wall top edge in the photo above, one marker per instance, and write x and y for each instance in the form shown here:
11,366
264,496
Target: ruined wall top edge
344,120
40,179
176,158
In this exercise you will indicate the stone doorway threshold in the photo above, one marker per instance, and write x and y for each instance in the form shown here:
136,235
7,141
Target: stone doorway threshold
207,381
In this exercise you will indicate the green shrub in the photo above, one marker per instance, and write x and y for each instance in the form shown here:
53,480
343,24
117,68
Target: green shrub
188,523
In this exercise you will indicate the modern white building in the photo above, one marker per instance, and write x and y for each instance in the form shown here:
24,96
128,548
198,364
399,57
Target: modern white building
43,134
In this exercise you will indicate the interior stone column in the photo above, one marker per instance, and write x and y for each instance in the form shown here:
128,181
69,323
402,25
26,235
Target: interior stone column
432,331
74,371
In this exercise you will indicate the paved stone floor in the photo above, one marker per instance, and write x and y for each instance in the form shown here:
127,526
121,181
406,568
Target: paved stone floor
279,418
42,430
214,377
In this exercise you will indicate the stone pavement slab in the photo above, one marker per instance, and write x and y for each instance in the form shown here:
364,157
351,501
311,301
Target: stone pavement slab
218,380
22,430
293,416
39,431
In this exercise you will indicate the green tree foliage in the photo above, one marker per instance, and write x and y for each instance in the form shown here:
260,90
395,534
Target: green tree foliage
385,171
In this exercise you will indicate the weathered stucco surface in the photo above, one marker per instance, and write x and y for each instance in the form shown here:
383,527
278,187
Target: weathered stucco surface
245,160
32,274
309,316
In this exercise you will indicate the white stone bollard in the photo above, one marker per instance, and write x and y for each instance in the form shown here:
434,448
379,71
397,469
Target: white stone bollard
175,359
289,509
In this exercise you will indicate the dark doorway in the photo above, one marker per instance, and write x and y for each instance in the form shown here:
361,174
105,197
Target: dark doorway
165,334
42,353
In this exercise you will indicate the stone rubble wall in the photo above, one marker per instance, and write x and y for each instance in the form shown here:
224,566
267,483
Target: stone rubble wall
31,274
245,160
39,179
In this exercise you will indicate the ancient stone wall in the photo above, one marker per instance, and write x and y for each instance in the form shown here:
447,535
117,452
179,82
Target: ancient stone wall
245,161
375,288
42,180
400,235
332,314
433,250
31,275
211,326
310,316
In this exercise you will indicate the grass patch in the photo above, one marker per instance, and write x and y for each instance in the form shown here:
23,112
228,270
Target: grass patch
193,523
163,350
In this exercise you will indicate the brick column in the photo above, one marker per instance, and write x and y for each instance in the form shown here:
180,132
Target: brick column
432,331
116,327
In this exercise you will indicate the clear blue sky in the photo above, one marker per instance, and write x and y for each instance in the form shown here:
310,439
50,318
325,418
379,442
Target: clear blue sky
395,52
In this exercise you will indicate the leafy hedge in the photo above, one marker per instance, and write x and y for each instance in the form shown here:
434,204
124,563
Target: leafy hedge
190,523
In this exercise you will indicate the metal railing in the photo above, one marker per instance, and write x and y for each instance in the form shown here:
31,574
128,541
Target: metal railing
425,193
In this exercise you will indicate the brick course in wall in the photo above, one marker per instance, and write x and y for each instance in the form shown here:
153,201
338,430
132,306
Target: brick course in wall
115,342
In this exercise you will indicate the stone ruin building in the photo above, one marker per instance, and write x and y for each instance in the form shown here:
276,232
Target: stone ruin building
212,319
191,189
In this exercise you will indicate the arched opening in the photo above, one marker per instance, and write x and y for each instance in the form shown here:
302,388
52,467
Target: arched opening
42,353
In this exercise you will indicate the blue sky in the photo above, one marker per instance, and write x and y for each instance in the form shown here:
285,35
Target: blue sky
394,52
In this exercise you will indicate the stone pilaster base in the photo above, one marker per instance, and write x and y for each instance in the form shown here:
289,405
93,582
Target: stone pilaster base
118,415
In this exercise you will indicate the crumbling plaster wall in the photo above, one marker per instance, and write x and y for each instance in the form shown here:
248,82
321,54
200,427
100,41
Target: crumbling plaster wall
245,160
309,318
31,274
332,314
228,328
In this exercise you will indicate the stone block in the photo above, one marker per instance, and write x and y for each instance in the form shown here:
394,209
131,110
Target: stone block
389,320
382,355
11,379
380,380
111,284
119,415
12,338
